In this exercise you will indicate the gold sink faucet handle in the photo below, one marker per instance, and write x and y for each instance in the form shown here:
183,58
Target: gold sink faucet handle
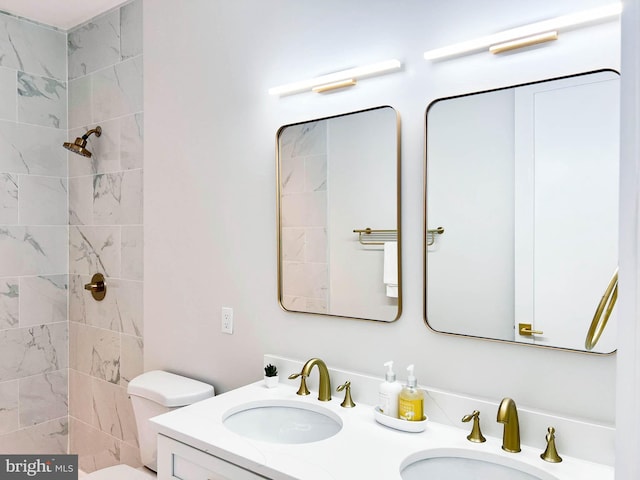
303,390
475,435
348,401
550,453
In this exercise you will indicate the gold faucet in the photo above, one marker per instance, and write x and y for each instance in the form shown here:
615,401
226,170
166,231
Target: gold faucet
324,390
508,414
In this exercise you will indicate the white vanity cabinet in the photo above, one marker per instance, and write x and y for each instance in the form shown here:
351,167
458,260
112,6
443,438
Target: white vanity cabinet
178,461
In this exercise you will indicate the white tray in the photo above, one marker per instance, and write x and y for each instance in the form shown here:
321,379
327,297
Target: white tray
398,424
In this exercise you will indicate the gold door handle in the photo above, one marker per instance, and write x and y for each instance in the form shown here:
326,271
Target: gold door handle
525,329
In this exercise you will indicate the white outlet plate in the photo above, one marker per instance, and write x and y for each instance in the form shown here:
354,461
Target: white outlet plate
227,320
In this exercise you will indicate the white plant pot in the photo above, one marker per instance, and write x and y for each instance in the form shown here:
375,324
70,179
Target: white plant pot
271,382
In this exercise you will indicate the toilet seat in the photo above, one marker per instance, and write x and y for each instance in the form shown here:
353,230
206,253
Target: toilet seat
120,472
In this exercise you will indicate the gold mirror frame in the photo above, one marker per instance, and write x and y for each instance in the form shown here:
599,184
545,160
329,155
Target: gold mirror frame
609,298
363,235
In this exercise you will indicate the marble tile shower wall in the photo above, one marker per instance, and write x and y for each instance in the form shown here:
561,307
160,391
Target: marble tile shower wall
303,161
33,238
105,235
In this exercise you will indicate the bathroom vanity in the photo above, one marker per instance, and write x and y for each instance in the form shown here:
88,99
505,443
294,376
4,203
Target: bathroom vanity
201,441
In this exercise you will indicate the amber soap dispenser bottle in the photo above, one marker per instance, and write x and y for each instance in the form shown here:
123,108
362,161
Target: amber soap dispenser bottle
411,399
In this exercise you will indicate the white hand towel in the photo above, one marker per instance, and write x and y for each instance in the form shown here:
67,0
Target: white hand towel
390,268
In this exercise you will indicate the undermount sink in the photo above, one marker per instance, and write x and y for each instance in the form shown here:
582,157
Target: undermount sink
282,421
458,464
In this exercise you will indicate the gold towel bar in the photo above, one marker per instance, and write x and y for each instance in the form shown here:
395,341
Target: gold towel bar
376,237
370,236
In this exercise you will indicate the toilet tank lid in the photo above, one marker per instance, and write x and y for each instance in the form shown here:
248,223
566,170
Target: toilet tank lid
169,389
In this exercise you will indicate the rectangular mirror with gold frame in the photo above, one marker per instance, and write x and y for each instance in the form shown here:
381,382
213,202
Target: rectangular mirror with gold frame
338,215
524,182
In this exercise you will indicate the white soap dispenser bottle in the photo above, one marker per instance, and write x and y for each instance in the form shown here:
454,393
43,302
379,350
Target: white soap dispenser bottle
389,392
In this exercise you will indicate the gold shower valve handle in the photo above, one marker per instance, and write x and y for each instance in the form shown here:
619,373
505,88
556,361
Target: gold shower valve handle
97,287
525,330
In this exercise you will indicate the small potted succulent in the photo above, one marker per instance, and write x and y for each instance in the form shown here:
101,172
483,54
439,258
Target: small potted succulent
271,376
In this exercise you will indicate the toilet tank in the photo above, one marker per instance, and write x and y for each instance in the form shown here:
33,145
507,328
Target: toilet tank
157,392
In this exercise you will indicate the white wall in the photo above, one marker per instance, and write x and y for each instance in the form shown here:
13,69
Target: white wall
628,360
210,183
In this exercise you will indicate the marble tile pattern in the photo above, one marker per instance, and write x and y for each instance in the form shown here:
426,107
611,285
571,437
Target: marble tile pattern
9,411
63,218
95,249
32,48
95,449
33,350
34,237
95,352
43,200
303,167
132,251
117,198
103,429
43,299
7,94
43,397
32,149
79,102
33,250
130,31
94,45
44,438
8,199
9,302
120,311
106,235
42,101
117,90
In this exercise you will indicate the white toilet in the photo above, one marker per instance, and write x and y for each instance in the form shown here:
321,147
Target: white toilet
153,393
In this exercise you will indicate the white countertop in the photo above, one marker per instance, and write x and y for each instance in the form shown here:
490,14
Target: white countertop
362,449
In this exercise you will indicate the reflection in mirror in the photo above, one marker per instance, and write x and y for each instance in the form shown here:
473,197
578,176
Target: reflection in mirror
524,181
338,175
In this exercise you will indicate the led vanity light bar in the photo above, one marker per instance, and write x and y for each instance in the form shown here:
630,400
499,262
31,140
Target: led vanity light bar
342,79
528,34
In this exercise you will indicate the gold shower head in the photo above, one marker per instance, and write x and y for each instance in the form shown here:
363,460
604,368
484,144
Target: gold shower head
81,142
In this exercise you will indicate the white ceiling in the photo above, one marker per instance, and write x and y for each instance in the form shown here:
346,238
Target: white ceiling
63,14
